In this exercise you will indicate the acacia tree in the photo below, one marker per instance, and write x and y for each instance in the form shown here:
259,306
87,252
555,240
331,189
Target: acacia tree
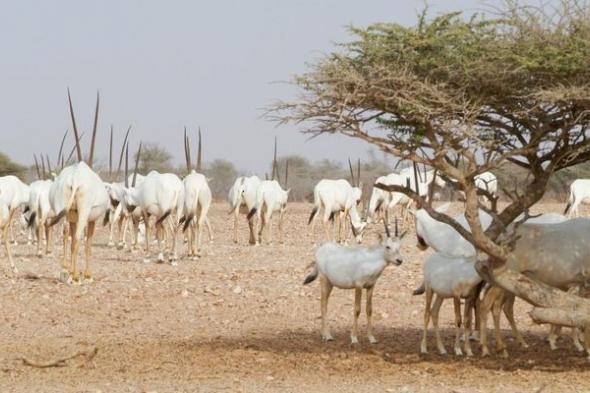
467,96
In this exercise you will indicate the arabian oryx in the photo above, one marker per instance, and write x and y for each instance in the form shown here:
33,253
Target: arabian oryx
386,201
242,199
13,194
79,195
579,193
337,196
41,212
270,198
160,195
355,268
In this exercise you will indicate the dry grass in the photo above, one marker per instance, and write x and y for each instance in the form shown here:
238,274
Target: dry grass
188,328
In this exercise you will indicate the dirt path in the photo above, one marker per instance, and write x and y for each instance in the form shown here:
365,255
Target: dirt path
239,319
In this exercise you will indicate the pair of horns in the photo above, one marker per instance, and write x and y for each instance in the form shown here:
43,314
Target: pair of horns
387,228
94,129
354,183
123,147
187,152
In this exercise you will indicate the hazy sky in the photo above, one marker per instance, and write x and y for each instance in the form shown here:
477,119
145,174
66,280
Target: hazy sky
161,65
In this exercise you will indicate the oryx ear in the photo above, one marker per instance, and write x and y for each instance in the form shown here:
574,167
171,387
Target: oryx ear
288,191
209,178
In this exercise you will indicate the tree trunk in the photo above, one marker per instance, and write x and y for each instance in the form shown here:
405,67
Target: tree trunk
551,304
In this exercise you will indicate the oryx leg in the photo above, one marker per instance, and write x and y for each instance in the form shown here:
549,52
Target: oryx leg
435,312
122,226
486,307
281,215
74,251
269,222
496,314
5,233
326,290
358,292
172,230
369,311
428,303
88,249
469,306
236,213
209,231
508,308
38,227
262,224
147,234
252,227
457,309
49,239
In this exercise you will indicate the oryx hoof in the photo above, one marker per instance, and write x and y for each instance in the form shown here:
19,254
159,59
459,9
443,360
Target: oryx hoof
327,337
373,340
458,351
111,243
354,340
423,348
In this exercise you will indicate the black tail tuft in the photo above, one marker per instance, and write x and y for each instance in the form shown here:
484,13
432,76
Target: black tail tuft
57,218
312,276
332,216
182,219
312,215
251,213
420,290
567,207
31,220
187,222
27,208
107,217
165,216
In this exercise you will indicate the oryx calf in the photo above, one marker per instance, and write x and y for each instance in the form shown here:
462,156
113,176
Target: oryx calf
41,212
355,268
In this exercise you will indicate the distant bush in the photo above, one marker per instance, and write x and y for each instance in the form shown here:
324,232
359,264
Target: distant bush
9,167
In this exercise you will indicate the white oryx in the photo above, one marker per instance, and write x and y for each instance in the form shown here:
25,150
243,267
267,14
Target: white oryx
355,268
13,195
133,210
197,201
160,195
337,196
41,212
385,201
485,181
79,195
117,207
271,198
242,199
579,193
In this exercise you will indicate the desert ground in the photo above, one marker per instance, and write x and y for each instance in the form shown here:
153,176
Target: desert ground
239,319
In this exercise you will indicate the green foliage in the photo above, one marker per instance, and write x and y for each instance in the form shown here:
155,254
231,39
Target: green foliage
153,157
9,167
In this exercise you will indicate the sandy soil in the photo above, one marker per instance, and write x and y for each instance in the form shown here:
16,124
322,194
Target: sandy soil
239,319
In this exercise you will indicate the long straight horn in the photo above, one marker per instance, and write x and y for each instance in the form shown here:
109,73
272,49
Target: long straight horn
187,152
37,166
43,174
123,150
351,172
48,164
396,229
136,165
61,146
111,154
274,162
76,137
286,172
358,173
94,129
199,153
416,178
387,228
63,161
127,166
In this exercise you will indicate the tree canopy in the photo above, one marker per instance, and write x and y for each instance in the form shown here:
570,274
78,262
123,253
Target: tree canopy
464,95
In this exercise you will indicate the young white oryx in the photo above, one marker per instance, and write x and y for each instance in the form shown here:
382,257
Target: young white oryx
337,196
242,198
486,181
160,195
355,268
79,195
13,194
41,212
450,277
579,193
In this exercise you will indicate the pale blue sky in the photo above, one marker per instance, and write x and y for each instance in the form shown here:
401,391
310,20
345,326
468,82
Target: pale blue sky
161,65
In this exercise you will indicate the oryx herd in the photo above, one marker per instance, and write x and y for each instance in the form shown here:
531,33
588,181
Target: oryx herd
74,198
